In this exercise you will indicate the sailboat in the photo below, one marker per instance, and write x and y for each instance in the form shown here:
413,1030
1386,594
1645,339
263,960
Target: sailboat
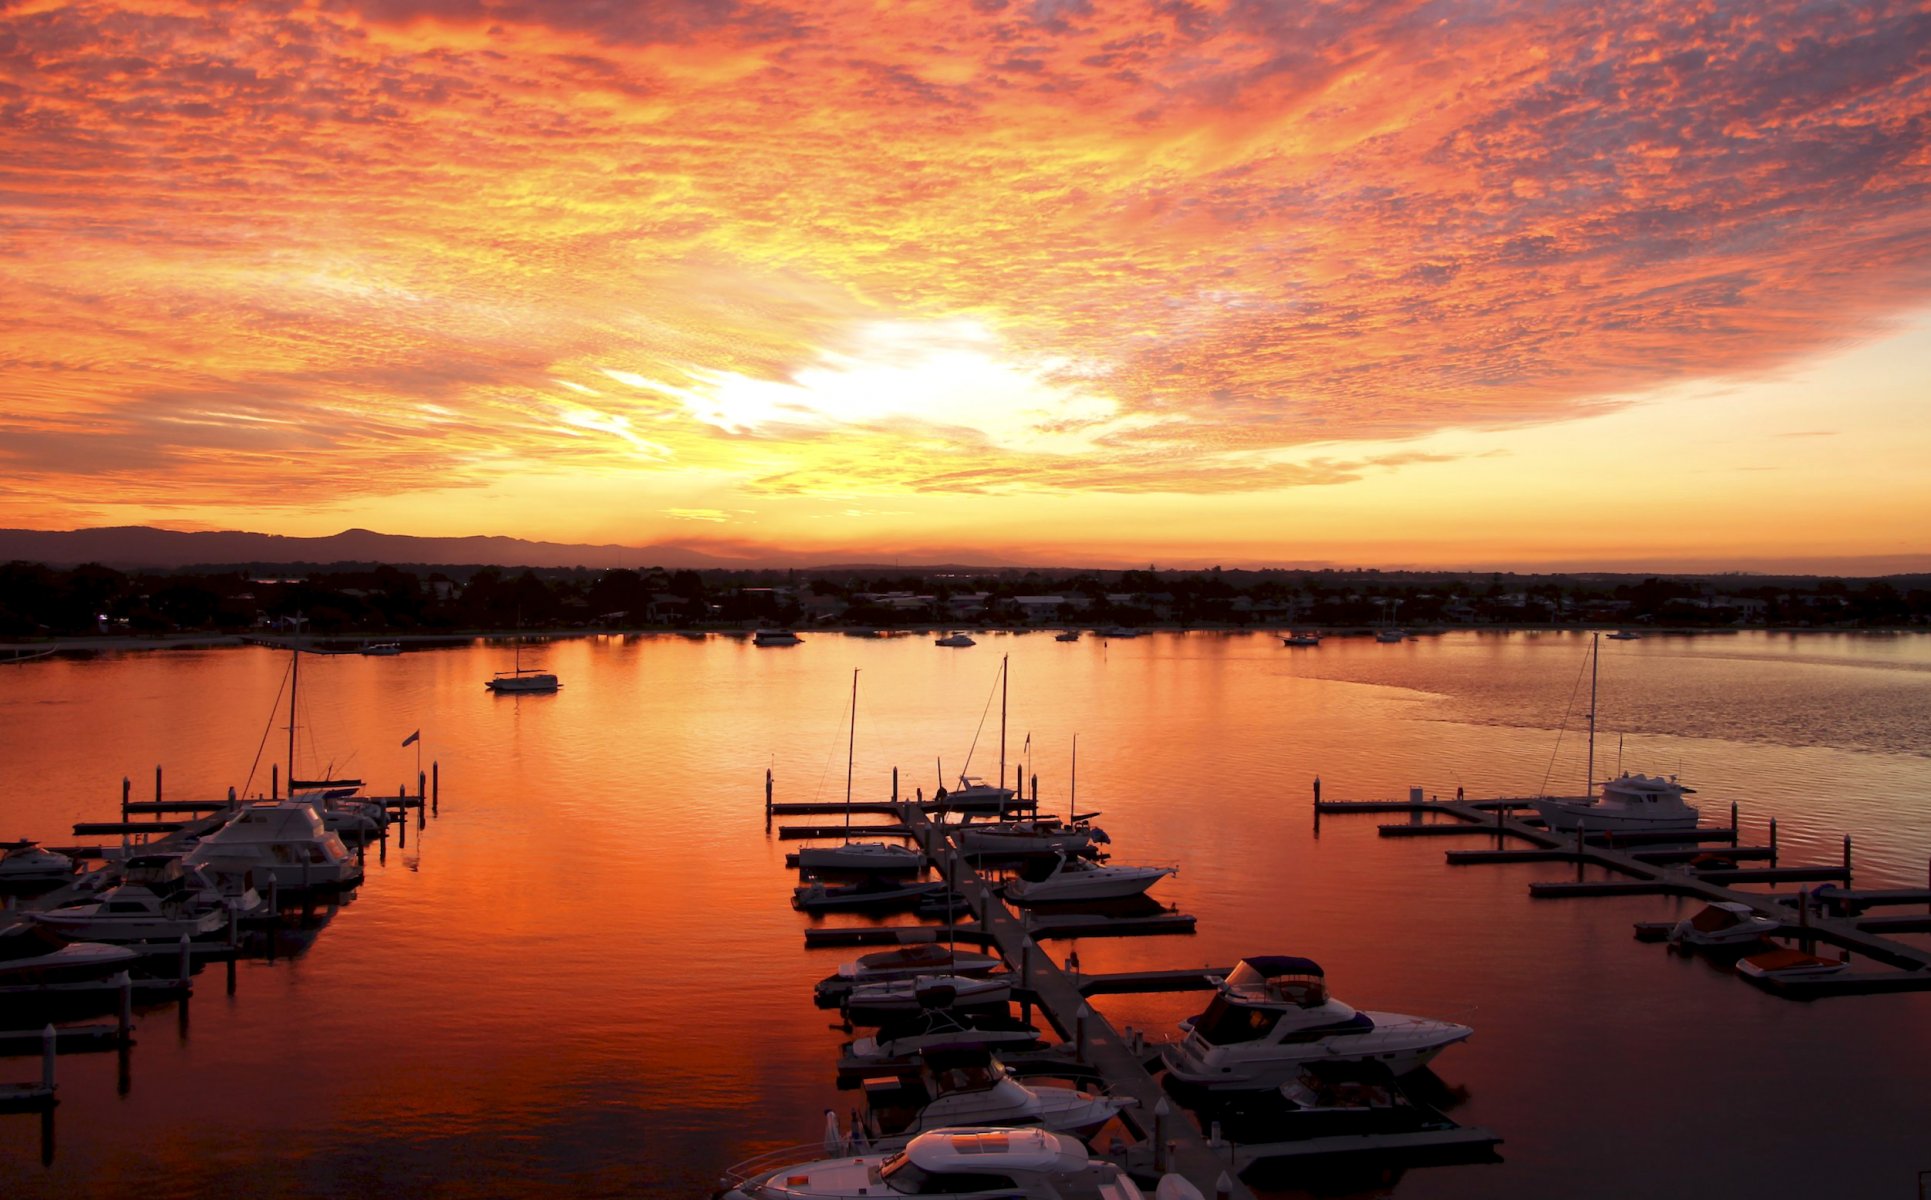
522,678
1627,801
889,858
974,794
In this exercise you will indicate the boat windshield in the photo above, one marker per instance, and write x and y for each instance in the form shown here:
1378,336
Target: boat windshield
1226,1022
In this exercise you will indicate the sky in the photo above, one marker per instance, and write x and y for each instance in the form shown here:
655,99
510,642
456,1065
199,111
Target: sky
1616,285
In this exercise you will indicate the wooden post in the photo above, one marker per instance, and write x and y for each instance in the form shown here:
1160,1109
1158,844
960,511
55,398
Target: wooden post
1773,841
157,783
1317,793
126,785
274,781
47,1036
1160,1111
422,817
1035,791
767,791
1733,820
1079,1032
185,965
435,786
1847,860
894,785
126,1023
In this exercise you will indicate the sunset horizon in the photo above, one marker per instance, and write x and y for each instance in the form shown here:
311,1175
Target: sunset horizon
1043,284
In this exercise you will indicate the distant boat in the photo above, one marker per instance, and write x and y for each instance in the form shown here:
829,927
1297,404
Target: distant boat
775,637
382,649
1389,635
1067,635
1626,802
1623,635
955,639
1300,639
1120,631
521,678
849,857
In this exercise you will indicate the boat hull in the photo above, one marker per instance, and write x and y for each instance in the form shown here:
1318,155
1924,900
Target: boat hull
1569,815
1401,1044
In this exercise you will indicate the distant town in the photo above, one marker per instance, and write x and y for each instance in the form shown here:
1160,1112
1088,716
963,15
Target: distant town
40,602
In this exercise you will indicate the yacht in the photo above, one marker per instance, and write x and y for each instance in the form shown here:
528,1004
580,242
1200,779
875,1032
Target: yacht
901,1042
867,895
1724,923
1389,635
381,649
1039,835
775,637
1078,879
970,1086
878,858
1625,802
876,1003
135,912
968,1164
1300,639
25,862
1067,635
955,639
283,844
903,962
33,954
1272,1016
1623,635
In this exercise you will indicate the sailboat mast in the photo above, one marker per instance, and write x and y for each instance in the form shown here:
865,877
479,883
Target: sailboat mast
294,678
1072,800
1595,661
1003,661
851,747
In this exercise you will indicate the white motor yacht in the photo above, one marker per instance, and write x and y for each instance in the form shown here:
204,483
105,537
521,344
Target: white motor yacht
135,912
954,1087
1033,836
25,861
283,844
1273,1015
1625,802
34,954
902,962
902,1041
871,1003
958,640
968,1164
1724,923
1078,879
1300,639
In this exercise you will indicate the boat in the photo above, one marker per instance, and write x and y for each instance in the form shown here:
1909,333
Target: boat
1623,635
380,649
955,1086
25,862
33,955
1649,802
875,1003
874,894
1300,639
1030,836
849,857
135,912
1074,879
1784,963
974,794
900,1042
1272,1015
285,845
775,637
1723,923
520,679
1120,631
1067,635
902,962
955,639
1389,635
970,1164
1360,1100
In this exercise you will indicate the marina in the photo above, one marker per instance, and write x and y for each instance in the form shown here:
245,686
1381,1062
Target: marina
590,1036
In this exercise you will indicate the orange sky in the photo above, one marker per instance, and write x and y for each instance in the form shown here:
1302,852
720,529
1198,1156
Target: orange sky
1363,282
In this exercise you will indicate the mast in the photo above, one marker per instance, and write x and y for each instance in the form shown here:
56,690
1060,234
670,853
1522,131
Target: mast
294,678
851,745
1595,660
1003,661
1072,801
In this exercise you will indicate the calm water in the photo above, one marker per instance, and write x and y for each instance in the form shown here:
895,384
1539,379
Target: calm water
584,977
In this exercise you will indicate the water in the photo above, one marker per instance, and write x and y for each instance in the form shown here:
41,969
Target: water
583,978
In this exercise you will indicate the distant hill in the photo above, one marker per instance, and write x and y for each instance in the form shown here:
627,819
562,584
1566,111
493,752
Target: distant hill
135,546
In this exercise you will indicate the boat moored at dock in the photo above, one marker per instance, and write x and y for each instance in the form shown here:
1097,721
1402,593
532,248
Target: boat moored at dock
282,844
1012,1164
1076,879
950,1087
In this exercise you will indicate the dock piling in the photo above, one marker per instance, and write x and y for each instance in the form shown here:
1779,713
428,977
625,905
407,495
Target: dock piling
1847,860
125,1025
126,785
1773,841
157,783
47,1036
894,785
1733,816
1161,1111
186,963
435,787
1079,1032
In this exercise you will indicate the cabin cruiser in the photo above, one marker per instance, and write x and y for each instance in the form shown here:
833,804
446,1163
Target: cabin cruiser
1067,635
888,858
902,962
876,1003
867,895
1300,639
1036,835
381,649
136,912
775,637
1625,802
969,1164
1273,1015
284,844
955,640
25,862
1073,879
33,954
1724,923
970,1086
901,1042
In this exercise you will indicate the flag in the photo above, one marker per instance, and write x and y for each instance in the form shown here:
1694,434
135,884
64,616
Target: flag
412,738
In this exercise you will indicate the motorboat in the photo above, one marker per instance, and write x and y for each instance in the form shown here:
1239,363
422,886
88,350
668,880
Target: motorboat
1784,963
284,844
969,1164
902,962
775,637
1625,802
1623,635
1078,879
1723,923
955,639
969,1086
1067,635
1272,1015
875,1003
873,894
1300,639
1120,631
1033,836
878,858
134,912
1390,635
1340,1100
381,649
34,954
26,862
203,886
900,1042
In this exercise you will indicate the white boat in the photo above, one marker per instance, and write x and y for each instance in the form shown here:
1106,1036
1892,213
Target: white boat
1032,836
970,1086
134,912
875,893
775,637
1786,963
966,1164
1389,635
32,955
283,844
849,857
1272,1016
1078,879
381,649
25,861
902,962
902,1041
1623,635
521,679
955,639
202,886
1625,802
873,1002
1300,639
1724,923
